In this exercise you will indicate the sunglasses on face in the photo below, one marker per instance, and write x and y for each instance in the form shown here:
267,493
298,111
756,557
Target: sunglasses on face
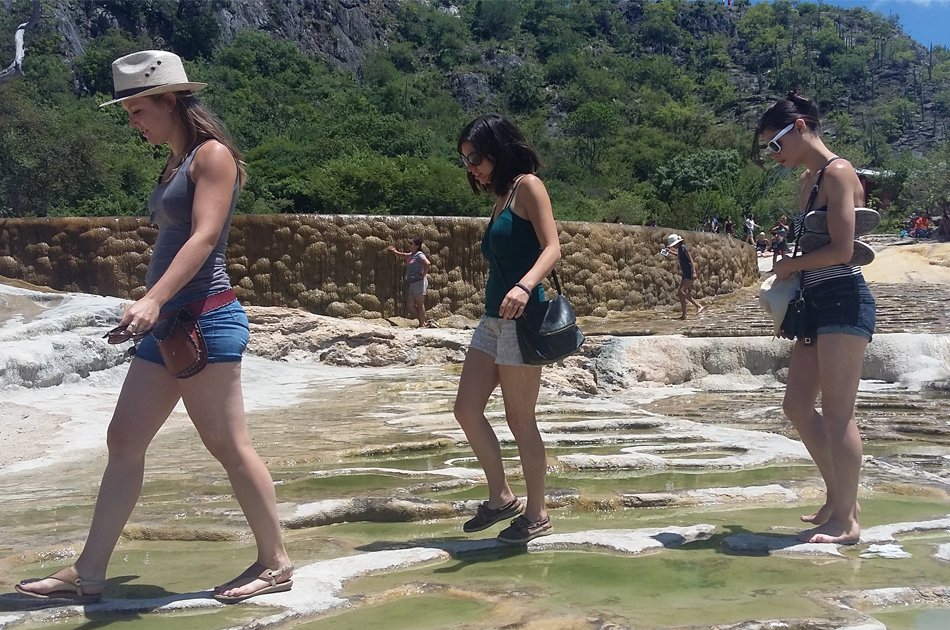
121,334
472,159
774,145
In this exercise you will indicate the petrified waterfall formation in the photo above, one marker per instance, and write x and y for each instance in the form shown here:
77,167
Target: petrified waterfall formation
338,265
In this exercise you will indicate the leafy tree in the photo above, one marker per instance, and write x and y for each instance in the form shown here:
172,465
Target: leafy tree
592,125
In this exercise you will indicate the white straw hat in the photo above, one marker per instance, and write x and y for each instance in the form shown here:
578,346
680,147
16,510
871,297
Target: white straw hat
149,72
673,239
774,297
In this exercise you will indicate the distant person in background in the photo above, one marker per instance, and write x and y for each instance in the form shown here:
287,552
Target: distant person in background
828,359
779,239
417,278
922,227
684,293
192,204
750,226
943,228
762,244
729,227
521,248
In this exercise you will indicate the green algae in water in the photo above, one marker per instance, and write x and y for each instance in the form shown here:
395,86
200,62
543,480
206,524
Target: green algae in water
419,613
915,619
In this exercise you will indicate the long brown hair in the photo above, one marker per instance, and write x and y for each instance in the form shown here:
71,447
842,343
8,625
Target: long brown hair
201,124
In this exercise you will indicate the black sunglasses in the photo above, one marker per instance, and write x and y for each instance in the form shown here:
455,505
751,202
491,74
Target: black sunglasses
472,159
121,334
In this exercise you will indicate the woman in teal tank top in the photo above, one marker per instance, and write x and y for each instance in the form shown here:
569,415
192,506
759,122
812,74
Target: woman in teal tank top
521,248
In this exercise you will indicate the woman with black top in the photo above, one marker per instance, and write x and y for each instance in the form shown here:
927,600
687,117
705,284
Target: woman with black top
521,247
841,312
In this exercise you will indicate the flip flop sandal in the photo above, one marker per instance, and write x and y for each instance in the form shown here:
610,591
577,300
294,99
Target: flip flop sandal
74,593
865,221
268,575
810,241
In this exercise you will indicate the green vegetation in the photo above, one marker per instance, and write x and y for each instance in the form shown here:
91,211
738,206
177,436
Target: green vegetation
641,113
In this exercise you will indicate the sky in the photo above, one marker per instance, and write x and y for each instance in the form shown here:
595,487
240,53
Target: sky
927,21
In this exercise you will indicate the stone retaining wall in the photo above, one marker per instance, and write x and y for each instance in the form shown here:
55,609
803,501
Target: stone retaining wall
338,264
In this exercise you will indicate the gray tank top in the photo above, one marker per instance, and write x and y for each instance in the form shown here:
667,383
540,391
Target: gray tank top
170,207
415,269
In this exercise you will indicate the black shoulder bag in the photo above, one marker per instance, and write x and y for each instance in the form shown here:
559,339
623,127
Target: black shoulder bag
547,331
797,324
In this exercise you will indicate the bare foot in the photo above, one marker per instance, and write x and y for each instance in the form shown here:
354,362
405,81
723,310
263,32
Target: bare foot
700,309
824,513
834,532
681,317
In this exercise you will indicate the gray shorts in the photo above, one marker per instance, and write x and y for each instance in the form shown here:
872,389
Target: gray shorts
499,338
419,288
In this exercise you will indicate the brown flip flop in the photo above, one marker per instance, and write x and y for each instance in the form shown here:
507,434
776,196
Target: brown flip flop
267,575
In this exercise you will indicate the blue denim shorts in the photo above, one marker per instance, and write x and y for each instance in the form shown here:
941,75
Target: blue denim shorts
842,306
225,330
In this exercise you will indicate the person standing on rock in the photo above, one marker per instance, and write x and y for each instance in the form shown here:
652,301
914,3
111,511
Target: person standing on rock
192,204
417,277
841,311
521,248
684,293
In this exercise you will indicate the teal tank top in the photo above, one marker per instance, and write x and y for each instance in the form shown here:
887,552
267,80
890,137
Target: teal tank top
515,247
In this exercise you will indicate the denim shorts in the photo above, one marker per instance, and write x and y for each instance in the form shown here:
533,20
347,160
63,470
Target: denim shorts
419,287
499,338
225,330
841,306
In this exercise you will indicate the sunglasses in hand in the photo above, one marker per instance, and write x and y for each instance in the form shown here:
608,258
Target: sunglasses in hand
121,334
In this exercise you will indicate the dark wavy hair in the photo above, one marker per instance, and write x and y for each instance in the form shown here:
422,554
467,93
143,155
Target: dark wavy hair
500,140
784,112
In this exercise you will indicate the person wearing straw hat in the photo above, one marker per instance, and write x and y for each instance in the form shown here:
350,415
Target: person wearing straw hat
840,313
684,292
192,204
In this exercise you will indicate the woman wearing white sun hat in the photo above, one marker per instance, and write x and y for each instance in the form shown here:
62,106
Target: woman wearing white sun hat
192,204
688,267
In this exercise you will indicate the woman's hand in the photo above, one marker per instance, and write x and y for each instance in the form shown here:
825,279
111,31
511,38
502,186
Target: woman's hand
140,316
512,305
783,269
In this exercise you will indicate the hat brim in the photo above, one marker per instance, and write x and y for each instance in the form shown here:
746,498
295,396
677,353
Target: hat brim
774,297
160,89
676,242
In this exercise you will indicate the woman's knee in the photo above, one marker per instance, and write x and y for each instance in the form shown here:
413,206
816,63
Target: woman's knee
798,410
228,449
125,439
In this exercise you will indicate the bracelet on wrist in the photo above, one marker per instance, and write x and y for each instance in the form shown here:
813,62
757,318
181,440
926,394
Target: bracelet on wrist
523,288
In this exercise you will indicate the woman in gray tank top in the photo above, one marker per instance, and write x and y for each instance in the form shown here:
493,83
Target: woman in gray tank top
192,205
840,311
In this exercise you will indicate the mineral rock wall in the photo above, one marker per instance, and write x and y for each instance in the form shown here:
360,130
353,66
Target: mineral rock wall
338,264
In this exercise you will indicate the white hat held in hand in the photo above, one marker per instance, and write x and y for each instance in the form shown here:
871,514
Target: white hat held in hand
673,239
149,72
774,297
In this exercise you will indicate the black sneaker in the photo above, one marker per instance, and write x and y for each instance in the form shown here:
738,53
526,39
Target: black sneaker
522,530
486,517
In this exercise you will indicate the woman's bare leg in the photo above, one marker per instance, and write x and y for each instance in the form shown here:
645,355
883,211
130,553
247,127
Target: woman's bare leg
519,388
479,379
840,362
215,402
148,396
